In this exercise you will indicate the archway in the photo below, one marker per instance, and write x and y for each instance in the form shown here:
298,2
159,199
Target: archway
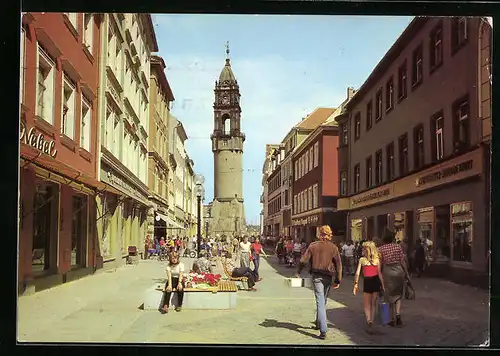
226,124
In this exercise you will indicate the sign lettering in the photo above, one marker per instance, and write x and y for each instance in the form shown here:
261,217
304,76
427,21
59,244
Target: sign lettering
37,140
447,172
372,196
313,219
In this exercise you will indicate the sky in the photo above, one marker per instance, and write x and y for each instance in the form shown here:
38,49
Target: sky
286,66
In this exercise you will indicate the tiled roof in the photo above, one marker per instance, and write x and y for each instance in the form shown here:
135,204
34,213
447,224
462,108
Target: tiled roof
316,118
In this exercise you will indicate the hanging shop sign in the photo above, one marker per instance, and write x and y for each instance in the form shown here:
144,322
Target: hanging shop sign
37,140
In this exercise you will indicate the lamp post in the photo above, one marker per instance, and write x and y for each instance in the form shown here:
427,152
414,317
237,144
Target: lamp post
200,194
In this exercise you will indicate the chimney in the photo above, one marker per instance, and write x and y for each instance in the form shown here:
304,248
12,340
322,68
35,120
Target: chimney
350,92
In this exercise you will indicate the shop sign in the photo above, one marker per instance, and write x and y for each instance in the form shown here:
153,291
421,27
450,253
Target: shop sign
312,219
371,196
118,182
36,140
445,173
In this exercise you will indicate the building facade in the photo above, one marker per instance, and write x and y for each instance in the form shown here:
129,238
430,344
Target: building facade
127,43
160,97
227,212
266,226
274,220
414,151
315,188
58,148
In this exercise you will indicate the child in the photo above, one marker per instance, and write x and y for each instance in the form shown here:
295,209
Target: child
175,271
373,282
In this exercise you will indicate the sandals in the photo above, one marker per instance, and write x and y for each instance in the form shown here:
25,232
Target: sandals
164,310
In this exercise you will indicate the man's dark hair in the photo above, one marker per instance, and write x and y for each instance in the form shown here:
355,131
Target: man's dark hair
388,236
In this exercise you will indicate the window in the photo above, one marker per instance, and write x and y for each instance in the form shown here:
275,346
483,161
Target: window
378,108
315,196
344,139
22,66
369,172
343,183
436,47
418,58
461,231
418,142
357,174
369,114
357,126
68,108
45,87
73,17
461,126
437,127
309,198
403,154
316,154
295,204
378,167
296,172
311,158
402,81
306,158
390,161
85,126
88,31
389,95
459,33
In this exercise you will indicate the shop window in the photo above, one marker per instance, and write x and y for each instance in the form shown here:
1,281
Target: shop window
357,126
316,154
390,161
344,137
357,230
369,115
357,176
403,155
461,231
436,46
378,107
85,124
369,172
399,226
437,131
45,87
402,81
343,183
78,232
378,167
459,33
425,219
389,95
461,126
42,228
419,148
88,32
417,66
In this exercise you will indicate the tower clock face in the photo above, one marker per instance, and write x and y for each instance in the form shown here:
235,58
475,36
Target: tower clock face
225,99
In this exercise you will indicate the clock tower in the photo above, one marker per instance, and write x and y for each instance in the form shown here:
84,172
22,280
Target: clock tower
227,211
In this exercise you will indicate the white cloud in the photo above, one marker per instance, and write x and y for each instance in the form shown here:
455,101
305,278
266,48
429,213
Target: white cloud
275,94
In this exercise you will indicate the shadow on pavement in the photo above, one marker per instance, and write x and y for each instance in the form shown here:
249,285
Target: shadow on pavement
272,323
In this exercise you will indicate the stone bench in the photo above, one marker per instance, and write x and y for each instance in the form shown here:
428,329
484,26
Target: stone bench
221,297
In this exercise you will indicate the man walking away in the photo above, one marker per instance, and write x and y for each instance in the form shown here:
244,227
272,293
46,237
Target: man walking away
326,270
348,252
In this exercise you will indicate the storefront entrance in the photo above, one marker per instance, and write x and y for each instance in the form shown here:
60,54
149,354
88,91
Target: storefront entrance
78,232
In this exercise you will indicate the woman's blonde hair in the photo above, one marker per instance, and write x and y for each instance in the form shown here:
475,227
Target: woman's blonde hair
371,252
325,233
173,255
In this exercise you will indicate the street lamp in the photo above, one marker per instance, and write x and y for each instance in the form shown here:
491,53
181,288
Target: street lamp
200,194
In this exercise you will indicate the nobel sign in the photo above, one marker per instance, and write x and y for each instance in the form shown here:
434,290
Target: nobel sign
445,173
36,140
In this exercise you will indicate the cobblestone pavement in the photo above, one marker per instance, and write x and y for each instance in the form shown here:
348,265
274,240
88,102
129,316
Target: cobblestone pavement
104,308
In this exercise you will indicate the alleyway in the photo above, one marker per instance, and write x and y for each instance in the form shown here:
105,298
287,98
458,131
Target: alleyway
104,308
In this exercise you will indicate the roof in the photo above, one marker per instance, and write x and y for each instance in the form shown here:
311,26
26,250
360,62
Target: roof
181,131
403,40
316,118
227,73
151,30
158,65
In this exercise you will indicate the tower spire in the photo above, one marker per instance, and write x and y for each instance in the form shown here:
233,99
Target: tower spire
227,52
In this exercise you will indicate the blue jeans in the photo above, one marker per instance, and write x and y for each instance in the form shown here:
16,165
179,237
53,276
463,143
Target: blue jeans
256,263
322,286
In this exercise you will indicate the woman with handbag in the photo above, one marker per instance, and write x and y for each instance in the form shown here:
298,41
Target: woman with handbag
373,281
394,272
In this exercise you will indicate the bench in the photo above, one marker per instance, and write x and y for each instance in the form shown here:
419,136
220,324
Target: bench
241,282
227,286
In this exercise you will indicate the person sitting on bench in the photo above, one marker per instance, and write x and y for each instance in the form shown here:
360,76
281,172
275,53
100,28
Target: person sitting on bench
202,264
240,272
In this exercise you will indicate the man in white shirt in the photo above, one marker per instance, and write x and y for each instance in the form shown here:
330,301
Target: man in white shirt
245,252
348,252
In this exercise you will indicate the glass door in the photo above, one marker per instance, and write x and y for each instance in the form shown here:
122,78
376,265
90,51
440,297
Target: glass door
42,217
78,232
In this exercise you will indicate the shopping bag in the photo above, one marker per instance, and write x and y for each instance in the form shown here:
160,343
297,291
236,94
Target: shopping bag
383,312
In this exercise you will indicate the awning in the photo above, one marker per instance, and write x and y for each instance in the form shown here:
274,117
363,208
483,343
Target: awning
30,155
174,225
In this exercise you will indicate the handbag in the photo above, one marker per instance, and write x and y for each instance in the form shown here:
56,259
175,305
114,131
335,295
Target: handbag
409,291
383,313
